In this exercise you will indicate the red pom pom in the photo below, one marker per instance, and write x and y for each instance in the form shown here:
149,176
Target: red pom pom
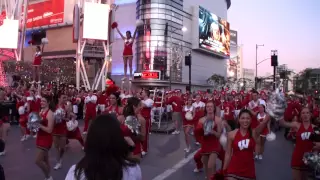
114,25
112,89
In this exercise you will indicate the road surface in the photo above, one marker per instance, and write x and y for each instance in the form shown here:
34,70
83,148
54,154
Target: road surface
166,159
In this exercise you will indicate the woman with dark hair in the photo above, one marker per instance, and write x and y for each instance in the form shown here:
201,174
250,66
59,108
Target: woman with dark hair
106,154
132,115
303,129
127,51
262,140
210,145
44,137
114,104
239,162
60,131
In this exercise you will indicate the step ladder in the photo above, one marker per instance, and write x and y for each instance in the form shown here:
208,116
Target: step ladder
158,115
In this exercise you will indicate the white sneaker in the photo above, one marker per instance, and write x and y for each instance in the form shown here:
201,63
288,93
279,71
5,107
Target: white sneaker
144,153
35,136
256,156
175,132
260,157
84,133
27,136
50,178
197,143
187,150
23,138
124,78
57,166
2,153
196,170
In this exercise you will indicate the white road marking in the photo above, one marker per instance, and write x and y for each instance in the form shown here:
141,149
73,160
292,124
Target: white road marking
175,168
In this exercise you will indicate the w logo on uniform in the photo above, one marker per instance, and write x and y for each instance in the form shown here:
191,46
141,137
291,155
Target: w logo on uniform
305,135
243,144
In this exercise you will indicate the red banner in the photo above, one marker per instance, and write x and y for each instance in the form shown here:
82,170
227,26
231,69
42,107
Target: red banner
45,13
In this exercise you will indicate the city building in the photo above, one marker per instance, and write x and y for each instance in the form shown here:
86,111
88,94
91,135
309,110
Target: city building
307,81
248,73
235,63
160,47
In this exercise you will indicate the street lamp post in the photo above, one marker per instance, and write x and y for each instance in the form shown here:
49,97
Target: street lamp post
183,29
255,82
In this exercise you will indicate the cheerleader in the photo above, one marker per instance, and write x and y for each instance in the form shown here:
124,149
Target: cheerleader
60,132
199,107
37,63
72,125
133,108
21,106
262,140
188,122
127,51
44,138
239,162
90,110
147,104
303,144
210,146
115,106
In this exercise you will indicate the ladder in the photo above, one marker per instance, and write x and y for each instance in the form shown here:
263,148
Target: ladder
158,117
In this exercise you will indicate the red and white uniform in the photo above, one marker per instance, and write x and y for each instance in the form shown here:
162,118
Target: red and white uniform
60,129
303,145
127,51
101,102
90,113
254,106
44,139
146,113
209,143
228,111
37,59
21,106
187,122
199,110
242,163
260,119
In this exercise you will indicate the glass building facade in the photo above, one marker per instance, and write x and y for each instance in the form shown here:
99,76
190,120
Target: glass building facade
160,44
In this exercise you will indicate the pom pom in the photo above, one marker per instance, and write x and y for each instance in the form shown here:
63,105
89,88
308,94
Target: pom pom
276,105
114,25
188,116
44,41
72,125
139,23
33,123
223,140
59,115
208,126
133,124
271,136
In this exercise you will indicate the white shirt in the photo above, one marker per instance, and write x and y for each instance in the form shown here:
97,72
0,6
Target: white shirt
148,103
199,105
130,173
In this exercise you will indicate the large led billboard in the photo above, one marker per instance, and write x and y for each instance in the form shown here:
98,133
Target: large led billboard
214,33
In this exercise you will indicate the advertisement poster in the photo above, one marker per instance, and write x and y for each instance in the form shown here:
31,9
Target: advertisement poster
233,38
45,13
214,33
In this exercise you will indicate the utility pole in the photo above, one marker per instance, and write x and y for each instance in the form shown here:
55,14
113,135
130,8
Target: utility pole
274,63
256,77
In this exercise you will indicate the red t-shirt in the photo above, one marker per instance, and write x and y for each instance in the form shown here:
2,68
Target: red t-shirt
178,103
228,111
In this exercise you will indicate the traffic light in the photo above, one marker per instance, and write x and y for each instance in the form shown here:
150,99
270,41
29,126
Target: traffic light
187,60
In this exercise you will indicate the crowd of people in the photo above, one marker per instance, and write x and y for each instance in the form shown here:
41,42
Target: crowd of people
226,125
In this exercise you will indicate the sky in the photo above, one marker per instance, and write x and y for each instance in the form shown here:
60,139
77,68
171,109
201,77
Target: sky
290,26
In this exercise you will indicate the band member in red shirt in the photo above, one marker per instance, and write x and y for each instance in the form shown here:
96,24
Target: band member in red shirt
177,103
228,114
101,102
147,104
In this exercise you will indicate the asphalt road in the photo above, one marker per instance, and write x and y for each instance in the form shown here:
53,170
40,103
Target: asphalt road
166,159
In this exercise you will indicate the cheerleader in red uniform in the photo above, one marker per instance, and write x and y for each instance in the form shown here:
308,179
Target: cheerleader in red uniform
147,104
127,51
115,106
239,162
37,63
72,117
210,146
303,144
133,108
90,110
189,123
21,106
44,138
262,140
60,133
199,108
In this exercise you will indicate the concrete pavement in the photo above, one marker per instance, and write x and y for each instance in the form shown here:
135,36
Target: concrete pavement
166,159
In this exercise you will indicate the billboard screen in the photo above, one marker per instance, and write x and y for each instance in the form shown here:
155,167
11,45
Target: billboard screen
233,38
45,13
214,33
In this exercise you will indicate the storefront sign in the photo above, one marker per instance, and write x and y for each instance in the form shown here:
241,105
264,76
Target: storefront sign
148,75
45,13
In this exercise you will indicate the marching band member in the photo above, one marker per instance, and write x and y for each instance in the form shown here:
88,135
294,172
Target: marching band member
210,145
147,104
44,138
60,132
303,144
239,162
262,140
228,113
90,110
176,101
188,122
101,101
